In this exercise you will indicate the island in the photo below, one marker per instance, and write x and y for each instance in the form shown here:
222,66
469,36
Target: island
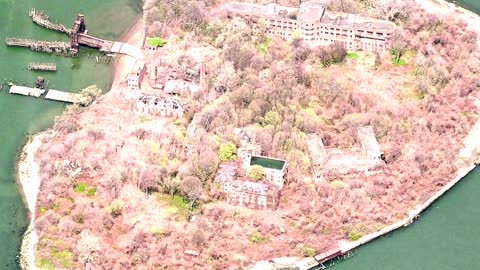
257,136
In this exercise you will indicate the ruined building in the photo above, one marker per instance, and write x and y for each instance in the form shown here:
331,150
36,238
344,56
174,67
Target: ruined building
365,158
244,192
158,106
182,87
317,26
136,75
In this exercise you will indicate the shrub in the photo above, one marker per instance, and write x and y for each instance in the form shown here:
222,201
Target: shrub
255,172
64,257
272,118
44,263
308,251
115,208
84,188
227,151
353,236
257,238
337,184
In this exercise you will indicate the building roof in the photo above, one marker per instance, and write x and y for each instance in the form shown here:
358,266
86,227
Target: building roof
155,41
311,12
253,187
316,149
369,142
226,173
269,163
353,20
177,86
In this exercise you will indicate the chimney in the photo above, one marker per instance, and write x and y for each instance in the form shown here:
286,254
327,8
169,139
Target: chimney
203,78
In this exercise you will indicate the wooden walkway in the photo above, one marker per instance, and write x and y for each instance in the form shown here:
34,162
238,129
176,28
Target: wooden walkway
64,96
26,91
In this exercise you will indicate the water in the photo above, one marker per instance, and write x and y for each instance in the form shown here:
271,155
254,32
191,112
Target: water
21,115
473,5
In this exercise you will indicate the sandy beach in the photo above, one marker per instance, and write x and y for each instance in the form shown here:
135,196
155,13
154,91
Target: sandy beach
29,179
134,36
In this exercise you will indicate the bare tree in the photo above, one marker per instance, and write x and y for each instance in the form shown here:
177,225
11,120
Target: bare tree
191,188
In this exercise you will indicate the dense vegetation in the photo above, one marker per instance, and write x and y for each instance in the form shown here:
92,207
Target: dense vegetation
119,191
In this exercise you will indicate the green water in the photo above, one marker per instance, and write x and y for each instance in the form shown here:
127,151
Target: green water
473,5
21,115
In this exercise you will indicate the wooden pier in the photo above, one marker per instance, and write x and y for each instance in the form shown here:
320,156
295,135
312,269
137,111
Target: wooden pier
26,91
42,19
64,96
78,36
42,66
40,45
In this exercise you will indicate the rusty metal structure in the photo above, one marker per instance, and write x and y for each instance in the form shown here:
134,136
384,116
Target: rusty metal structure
79,36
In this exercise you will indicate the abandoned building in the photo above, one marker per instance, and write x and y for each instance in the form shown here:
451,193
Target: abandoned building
317,26
366,158
255,195
247,145
250,153
136,75
180,88
154,105
274,168
241,191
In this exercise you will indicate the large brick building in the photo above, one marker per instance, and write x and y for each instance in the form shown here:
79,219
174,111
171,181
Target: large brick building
318,26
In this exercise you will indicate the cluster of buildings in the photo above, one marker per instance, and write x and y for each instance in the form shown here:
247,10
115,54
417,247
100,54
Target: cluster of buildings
318,26
365,158
238,189
150,100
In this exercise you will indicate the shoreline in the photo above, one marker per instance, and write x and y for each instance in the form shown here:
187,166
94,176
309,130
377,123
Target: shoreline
27,176
28,168
134,35
29,180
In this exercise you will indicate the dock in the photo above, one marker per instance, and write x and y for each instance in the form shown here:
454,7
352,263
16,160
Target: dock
42,66
26,91
64,96
41,45
42,19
